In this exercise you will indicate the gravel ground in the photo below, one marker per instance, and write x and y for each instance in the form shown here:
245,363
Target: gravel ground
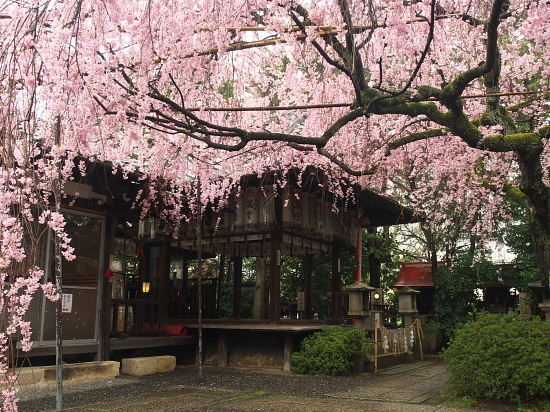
242,379
244,389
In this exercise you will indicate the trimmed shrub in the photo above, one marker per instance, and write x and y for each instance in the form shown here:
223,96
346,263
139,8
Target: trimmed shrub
330,351
503,357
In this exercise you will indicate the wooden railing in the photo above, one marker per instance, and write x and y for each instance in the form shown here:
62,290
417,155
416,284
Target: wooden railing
138,317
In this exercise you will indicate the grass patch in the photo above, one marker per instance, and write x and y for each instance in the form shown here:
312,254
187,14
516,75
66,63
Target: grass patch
453,398
542,405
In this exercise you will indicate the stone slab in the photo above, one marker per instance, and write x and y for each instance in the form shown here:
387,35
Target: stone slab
139,366
166,363
29,376
148,365
84,371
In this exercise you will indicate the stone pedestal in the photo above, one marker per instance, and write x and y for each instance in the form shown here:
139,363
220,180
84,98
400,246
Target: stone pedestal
545,307
407,304
360,308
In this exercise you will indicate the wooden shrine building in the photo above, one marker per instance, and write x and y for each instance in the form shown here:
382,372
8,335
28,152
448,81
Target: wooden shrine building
129,285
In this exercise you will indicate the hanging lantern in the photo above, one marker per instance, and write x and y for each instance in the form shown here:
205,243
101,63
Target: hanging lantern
339,229
149,229
312,204
288,202
251,208
327,214
239,223
297,215
233,218
266,207
224,224
142,229
192,228
306,199
320,213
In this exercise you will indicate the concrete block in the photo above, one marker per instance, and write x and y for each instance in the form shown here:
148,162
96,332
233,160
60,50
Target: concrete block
29,376
139,366
166,363
85,371
33,378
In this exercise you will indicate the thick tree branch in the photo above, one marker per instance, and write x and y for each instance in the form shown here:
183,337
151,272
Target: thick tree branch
415,137
519,142
344,166
459,84
355,61
333,42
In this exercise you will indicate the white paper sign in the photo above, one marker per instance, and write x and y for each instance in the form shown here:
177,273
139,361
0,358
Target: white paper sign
67,303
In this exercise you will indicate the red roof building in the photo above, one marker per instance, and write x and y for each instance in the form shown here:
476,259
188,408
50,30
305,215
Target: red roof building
418,275
415,274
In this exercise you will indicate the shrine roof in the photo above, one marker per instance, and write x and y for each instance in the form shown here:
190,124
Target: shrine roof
415,274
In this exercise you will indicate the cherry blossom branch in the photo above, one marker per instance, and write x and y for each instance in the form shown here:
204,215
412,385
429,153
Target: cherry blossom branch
321,31
416,98
426,50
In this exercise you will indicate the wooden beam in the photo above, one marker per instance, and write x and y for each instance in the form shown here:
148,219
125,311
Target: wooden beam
237,286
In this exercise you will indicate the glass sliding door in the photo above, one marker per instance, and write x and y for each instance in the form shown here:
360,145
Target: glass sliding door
80,281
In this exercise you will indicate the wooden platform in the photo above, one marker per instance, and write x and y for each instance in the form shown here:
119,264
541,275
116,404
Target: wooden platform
138,342
231,332
255,326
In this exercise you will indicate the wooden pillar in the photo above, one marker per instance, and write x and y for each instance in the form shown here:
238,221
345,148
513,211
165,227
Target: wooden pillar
222,277
275,279
287,352
144,269
164,270
308,271
275,261
336,280
105,290
374,261
222,349
237,286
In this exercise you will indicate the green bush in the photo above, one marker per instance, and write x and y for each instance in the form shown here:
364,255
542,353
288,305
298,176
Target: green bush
330,351
503,357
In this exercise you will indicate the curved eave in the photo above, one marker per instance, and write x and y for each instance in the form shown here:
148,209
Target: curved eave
385,211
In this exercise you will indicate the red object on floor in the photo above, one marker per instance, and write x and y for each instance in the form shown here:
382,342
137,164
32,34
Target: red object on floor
173,330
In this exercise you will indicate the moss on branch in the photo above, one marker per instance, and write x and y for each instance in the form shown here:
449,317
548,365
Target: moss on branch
512,142
516,195
544,132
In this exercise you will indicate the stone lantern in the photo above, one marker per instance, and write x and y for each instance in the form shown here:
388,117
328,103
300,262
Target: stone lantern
407,304
540,290
360,303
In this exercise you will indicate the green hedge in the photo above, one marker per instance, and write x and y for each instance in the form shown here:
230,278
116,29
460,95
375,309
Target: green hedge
503,357
330,351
